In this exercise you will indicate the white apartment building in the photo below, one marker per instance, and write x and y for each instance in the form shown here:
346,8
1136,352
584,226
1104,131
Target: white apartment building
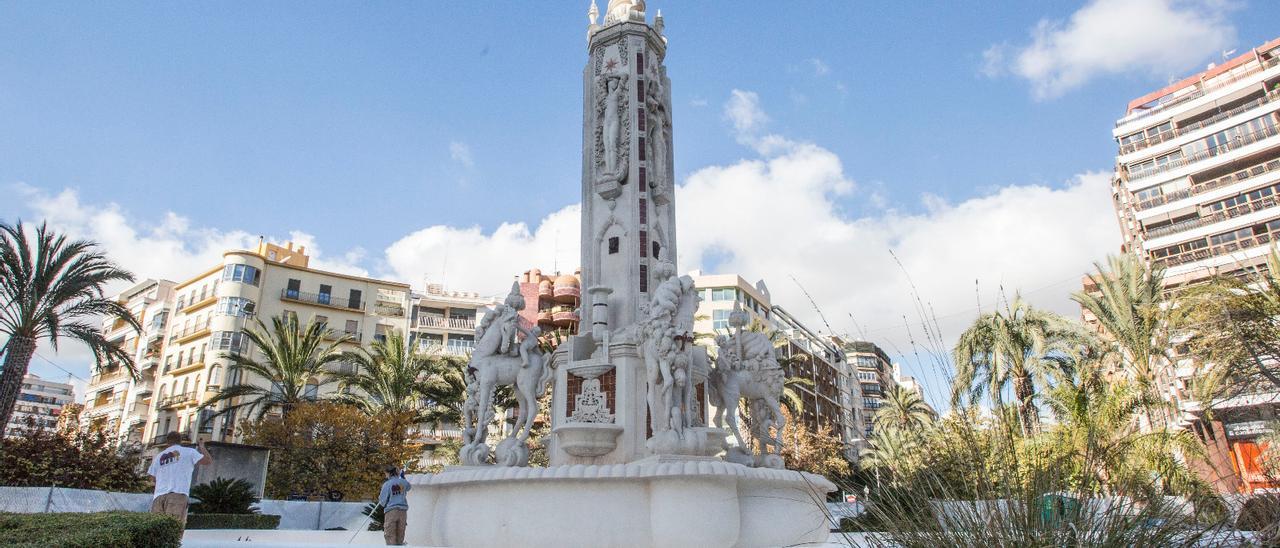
41,401
114,398
875,374
1196,190
445,321
207,319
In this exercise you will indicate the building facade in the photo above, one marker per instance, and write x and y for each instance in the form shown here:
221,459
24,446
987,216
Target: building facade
41,401
445,321
875,373
552,302
182,362
1195,191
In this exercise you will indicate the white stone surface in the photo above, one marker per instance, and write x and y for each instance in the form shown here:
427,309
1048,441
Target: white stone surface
643,503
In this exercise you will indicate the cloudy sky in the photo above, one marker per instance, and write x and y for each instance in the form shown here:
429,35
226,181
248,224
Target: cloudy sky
895,162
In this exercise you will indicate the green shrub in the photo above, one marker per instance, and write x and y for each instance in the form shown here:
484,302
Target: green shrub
233,521
86,530
224,496
374,511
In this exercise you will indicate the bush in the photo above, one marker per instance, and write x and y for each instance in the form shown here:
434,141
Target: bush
1262,514
99,529
376,517
224,496
70,457
233,521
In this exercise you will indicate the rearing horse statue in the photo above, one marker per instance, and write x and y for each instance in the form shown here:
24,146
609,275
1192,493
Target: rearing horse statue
496,361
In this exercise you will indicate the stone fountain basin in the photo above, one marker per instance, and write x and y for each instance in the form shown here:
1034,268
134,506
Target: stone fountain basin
659,501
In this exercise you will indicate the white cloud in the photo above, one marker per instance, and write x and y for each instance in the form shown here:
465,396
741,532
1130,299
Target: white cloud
460,152
1162,38
470,259
820,67
698,102
744,112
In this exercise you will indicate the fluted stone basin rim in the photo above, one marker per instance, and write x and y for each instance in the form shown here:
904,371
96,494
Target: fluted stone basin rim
655,467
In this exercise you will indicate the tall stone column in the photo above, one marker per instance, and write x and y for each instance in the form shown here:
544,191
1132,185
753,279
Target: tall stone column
600,411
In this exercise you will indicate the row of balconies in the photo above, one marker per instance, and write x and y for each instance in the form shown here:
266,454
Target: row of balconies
190,331
1183,130
177,400
1214,251
1238,142
1229,213
321,299
1202,88
1200,188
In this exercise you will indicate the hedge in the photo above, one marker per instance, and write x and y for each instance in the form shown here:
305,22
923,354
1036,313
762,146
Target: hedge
91,530
232,521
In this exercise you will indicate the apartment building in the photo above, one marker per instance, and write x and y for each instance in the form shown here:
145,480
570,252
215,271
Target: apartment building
207,319
1195,190
831,399
445,321
803,353
40,401
115,399
875,373
551,302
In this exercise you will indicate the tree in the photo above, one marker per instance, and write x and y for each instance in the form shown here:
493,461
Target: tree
1235,326
903,409
1129,305
1011,347
50,289
1098,432
893,451
817,452
73,456
294,364
323,446
392,379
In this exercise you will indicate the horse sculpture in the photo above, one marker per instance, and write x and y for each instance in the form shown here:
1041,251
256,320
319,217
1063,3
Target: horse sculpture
495,362
747,367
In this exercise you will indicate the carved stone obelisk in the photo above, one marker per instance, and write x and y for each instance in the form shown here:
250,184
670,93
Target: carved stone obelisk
635,376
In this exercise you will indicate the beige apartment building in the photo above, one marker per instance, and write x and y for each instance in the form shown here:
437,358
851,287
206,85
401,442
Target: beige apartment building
445,321
875,374
40,401
184,365
1196,191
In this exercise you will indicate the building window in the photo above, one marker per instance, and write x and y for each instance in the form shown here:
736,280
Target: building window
639,62
613,245
325,290
643,180
644,210
235,306
644,243
321,320
644,279
352,327
640,118
242,273
290,316
353,299
722,294
228,341
293,288
641,153
720,320
640,91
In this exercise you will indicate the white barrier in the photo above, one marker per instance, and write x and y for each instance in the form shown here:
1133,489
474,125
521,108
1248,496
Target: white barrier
296,515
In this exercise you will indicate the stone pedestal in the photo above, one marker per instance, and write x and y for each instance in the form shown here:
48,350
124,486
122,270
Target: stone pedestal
670,502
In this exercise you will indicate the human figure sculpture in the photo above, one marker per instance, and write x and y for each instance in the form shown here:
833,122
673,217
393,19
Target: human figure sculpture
610,104
623,10
498,361
747,367
667,334
659,128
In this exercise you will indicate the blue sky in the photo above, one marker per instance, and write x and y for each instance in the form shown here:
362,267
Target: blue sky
368,127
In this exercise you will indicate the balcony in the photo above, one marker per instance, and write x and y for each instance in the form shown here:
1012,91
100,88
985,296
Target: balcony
108,375
441,322
1229,213
1215,83
564,318
1239,142
1201,188
190,332
351,336
390,310
1214,251
321,299
452,348
178,400
566,294
196,305
1183,130
192,365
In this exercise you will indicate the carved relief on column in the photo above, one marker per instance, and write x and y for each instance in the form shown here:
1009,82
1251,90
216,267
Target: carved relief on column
589,398
611,94
658,137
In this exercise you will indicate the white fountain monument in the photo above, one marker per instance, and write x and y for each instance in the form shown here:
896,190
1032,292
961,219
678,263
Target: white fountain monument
634,461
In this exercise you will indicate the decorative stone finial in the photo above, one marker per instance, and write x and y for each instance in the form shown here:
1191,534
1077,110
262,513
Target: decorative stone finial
593,14
658,25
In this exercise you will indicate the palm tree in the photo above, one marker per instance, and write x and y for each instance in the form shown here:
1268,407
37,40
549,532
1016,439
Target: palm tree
1128,305
893,450
294,365
1099,434
391,378
53,288
1011,347
903,409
